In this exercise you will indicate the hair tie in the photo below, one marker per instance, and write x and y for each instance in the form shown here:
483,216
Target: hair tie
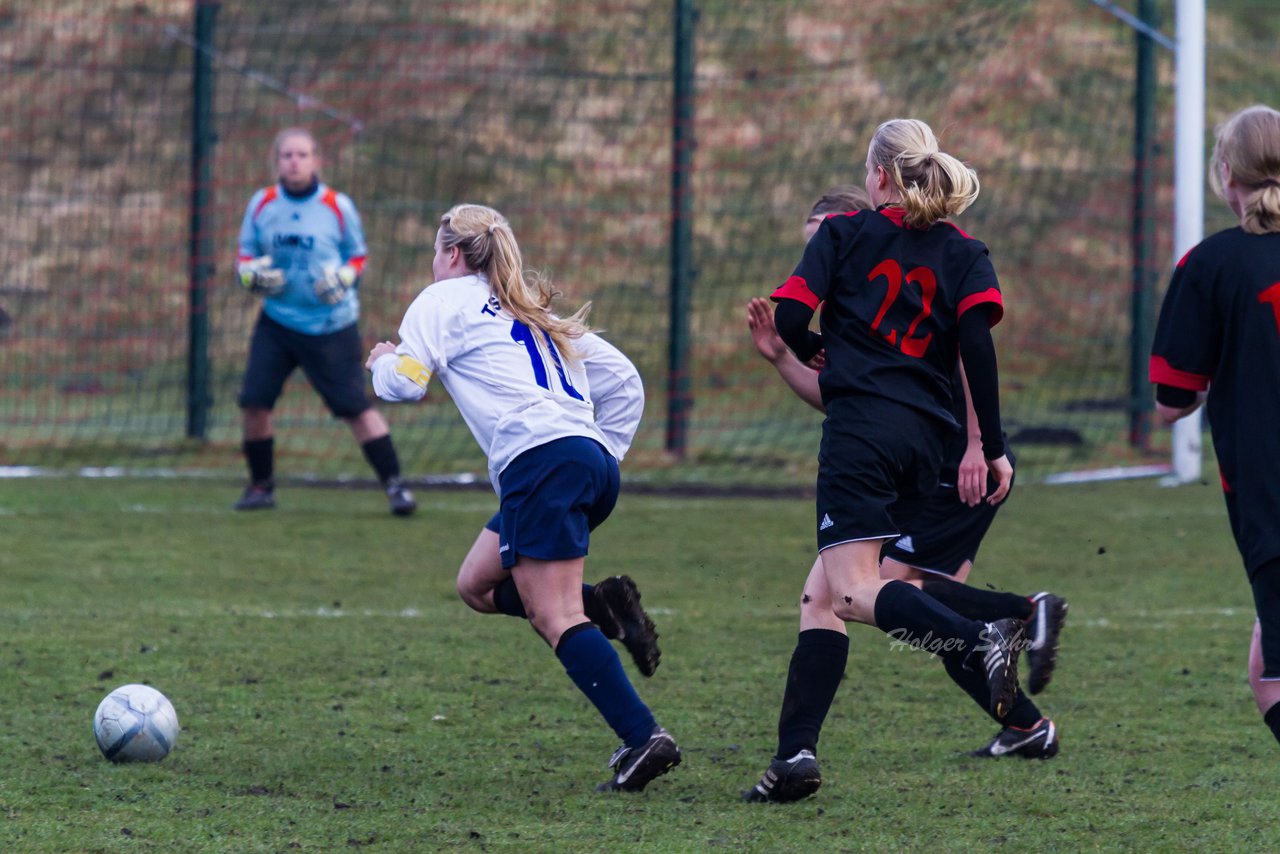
1270,182
492,226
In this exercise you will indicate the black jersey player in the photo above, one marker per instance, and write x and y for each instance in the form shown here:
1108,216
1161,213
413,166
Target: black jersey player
1219,332
903,293
938,549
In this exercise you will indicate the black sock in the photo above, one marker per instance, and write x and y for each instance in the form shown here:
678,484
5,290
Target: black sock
975,602
381,454
1023,714
506,598
817,666
911,616
1272,717
260,455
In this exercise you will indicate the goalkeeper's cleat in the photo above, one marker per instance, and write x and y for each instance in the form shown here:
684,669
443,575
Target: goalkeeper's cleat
257,496
1043,630
1039,742
614,606
786,780
1003,640
636,766
399,497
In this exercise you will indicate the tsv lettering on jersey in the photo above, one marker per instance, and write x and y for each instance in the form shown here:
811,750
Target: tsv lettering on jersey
294,241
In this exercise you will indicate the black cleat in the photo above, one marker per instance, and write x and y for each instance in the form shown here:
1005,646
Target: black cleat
636,766
1003,640
786,780
400,498
1043,630
614,606
1039,742
257,496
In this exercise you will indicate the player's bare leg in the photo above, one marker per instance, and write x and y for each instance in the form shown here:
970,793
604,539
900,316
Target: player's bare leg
612,604
860,594
1265,692
481,573
552,595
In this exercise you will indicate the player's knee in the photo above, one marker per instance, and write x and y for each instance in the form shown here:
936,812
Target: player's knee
475,595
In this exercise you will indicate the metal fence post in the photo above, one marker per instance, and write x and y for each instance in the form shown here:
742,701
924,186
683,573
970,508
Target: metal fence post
1144,120
201,245
679,399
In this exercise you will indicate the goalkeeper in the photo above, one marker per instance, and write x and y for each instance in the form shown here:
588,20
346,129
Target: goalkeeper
302,250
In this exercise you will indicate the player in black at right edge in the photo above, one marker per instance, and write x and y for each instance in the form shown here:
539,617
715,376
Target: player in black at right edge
1219,337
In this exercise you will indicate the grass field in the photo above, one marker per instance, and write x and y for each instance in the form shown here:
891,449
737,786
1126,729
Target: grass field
334,694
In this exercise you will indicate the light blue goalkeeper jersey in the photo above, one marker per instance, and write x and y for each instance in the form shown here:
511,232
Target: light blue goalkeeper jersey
304,235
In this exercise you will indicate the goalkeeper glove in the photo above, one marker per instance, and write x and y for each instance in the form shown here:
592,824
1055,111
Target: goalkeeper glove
259,277
334,284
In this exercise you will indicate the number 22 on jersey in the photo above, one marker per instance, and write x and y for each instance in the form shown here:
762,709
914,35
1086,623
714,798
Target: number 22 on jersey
921,277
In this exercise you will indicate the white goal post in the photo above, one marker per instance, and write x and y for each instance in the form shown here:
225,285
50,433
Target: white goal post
1188,182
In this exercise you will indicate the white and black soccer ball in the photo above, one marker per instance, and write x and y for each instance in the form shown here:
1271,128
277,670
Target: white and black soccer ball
135,723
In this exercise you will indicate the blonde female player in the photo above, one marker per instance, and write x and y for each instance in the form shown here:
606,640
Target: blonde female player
1219,331
904,292
517,373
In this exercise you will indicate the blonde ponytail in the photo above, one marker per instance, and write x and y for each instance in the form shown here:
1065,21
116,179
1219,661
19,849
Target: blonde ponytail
1248,145
932,184
489,246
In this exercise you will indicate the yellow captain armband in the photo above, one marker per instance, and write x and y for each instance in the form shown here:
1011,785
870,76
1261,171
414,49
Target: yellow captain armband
413,370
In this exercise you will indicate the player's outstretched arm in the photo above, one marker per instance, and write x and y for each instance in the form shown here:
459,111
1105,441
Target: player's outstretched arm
801,378
396,376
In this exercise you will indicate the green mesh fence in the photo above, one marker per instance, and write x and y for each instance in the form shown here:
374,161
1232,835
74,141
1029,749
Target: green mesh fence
559,113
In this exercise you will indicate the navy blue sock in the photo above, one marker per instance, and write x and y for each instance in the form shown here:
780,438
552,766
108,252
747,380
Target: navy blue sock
506,598
1272,717
911,616
1023,714
975,602
817,666
259,454
594,666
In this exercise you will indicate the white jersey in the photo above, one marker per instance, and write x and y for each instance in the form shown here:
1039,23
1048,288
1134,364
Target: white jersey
513,388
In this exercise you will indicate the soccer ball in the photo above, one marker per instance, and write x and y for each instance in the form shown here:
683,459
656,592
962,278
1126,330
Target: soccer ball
135,723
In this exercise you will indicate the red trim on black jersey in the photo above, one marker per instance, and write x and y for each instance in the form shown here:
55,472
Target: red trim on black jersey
330,198
894,215
1184,258
991,296
957,228
1226,487
1163,373
797,289
268,196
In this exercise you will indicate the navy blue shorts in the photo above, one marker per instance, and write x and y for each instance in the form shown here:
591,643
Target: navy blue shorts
553,497
877,467
333,363
945,534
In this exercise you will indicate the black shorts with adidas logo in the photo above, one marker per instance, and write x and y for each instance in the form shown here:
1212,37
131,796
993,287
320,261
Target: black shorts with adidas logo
877,466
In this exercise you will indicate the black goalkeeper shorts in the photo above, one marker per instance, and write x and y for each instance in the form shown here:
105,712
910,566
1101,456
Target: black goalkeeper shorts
333,363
